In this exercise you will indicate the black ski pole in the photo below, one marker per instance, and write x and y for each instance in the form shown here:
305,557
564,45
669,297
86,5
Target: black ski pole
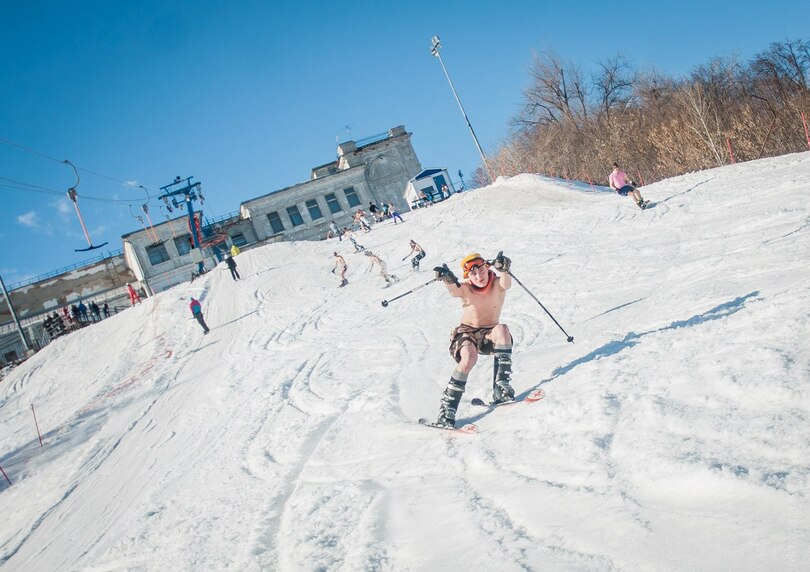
568,338
386,302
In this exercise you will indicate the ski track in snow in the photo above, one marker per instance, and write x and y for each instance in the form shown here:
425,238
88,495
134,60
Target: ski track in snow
672,435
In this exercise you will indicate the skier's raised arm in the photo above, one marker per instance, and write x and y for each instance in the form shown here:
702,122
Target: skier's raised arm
502,264
444,274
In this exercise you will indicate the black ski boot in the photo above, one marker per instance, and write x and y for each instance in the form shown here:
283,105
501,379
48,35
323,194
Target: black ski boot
450,400
502,390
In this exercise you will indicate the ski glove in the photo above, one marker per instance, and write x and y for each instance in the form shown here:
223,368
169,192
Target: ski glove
444,274
502,263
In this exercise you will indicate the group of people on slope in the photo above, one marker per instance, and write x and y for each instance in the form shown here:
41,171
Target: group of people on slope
361,221
341,267
482,293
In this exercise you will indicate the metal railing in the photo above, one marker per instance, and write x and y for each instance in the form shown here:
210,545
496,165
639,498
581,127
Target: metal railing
58,271
213,220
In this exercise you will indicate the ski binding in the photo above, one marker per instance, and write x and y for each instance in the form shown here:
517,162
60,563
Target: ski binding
535,395
469,428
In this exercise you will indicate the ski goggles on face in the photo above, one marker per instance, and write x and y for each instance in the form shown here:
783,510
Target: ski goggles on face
475,268
473,264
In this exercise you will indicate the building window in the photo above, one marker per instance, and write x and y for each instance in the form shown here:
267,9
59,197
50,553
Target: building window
239,239
295,215
157,253
275,222
314,210
332,201
183,244
351,196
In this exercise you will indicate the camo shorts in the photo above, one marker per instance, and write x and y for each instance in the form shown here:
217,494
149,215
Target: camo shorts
464,335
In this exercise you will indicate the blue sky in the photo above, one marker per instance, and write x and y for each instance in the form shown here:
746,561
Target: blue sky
246,97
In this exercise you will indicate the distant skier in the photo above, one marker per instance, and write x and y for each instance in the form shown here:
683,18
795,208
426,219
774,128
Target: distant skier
621,183
420,254
482,298
133,295
392,211
389,279
340,269
335,231
196,311
352,237
229,260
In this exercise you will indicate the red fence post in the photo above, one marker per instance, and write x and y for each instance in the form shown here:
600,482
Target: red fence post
730,152
37,424
806,133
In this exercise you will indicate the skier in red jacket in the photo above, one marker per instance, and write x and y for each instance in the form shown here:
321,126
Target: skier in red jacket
133,295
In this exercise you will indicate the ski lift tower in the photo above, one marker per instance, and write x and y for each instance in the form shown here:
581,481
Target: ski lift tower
189,192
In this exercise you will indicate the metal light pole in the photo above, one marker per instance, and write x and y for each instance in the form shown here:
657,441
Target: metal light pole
23,337
434,50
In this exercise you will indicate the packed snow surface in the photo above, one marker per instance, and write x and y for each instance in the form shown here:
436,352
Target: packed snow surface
674,435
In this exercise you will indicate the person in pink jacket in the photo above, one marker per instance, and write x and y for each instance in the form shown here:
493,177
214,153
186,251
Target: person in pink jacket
196,311
621,183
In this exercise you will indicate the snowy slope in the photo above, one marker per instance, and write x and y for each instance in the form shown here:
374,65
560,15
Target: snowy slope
674,434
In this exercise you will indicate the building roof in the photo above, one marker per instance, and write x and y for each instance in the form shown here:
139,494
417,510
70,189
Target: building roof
427,173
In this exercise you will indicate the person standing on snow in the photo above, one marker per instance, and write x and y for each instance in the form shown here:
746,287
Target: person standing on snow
375,212
482,297
83,312
335,230
95,311
196,311
133,295
392,211
621,183
420,254
340,268
232,267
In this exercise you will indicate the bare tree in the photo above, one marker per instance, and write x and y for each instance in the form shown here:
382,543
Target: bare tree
785,64
557,93
613,84
661,125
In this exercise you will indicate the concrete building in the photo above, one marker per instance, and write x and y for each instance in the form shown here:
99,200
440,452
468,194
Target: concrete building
372,170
